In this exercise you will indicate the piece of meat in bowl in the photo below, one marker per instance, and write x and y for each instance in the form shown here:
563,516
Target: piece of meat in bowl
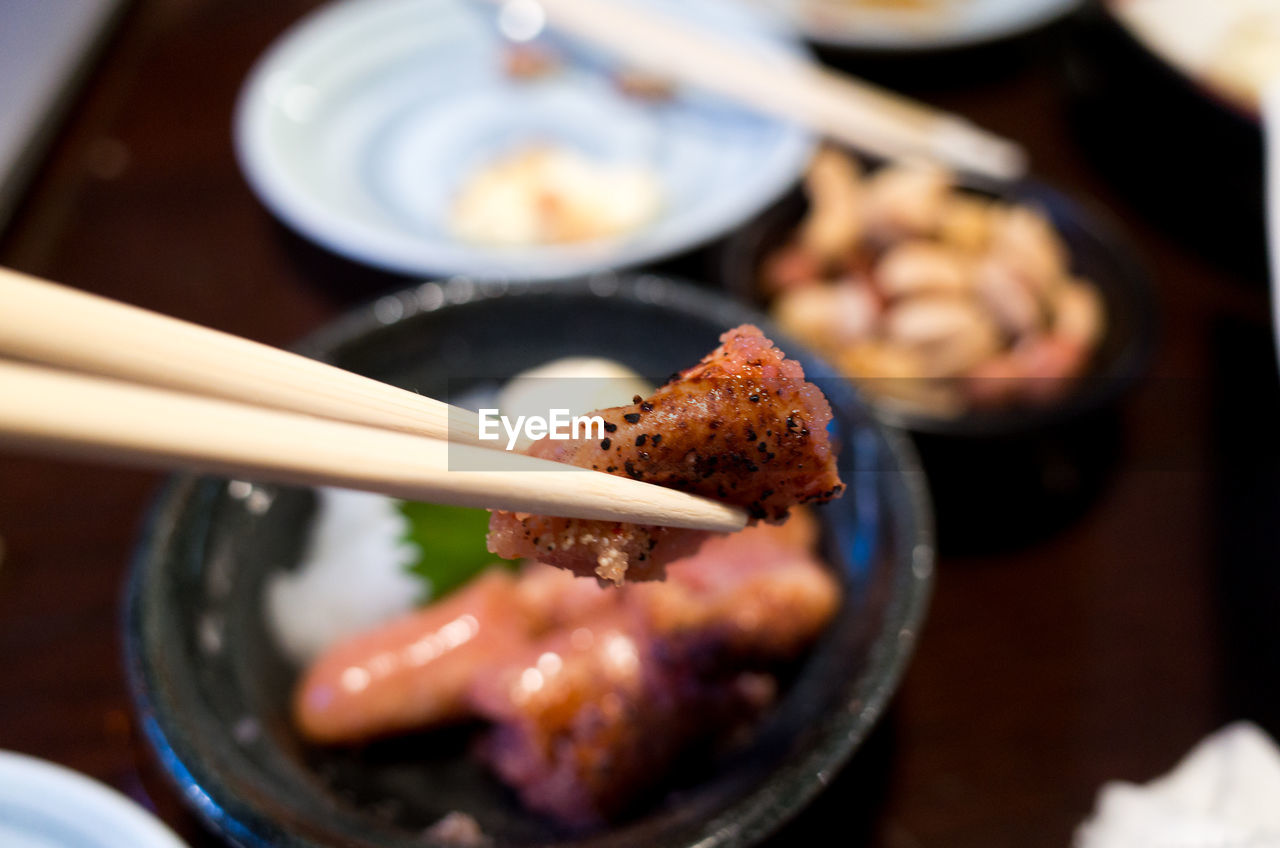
590,719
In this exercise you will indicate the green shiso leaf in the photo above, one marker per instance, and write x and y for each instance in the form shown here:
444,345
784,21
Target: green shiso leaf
451,545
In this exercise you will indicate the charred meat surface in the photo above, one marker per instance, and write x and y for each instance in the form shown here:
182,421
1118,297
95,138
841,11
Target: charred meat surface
742,426
592,718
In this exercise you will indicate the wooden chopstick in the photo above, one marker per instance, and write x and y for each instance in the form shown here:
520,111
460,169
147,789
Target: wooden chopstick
44,322
91,417
864,116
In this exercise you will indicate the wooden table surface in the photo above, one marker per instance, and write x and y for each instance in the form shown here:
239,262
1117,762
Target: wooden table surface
1102,651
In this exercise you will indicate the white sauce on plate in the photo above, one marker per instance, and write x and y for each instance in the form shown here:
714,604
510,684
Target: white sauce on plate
550,195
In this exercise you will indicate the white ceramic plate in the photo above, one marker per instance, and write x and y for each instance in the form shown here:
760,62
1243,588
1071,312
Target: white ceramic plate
358,126
43,805
916,25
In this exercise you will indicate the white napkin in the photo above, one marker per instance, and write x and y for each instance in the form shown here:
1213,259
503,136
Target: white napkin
1224,794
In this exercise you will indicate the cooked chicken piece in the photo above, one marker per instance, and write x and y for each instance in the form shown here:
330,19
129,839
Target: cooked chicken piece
1008,298
1027,243
896,373
966,223
1078,314
741,426
415,671
834,223
831,317
906,200
918,266
950,334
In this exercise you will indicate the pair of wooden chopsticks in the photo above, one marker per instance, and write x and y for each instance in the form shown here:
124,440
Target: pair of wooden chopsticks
103,380
868,118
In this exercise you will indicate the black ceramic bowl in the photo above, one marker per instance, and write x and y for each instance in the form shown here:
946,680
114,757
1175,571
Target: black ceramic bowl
212,692
999,476
1097,253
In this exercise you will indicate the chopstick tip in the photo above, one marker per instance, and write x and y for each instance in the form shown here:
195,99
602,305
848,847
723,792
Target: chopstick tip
972,149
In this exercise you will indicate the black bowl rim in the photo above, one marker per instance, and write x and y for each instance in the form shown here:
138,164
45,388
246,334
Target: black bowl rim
748,819
737,272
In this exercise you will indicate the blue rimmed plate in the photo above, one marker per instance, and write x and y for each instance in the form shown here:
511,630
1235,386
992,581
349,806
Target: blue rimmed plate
359,125
43,805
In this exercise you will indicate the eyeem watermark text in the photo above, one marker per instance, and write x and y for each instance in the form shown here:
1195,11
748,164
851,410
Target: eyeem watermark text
558,425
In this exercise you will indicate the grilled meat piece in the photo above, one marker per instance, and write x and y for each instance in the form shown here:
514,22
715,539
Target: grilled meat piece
742,426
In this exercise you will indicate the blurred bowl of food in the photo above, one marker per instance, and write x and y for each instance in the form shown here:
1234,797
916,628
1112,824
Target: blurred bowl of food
231,581
993,322
447,137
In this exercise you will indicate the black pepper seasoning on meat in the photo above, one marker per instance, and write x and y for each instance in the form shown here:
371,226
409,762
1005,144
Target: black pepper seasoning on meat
605,443
632,417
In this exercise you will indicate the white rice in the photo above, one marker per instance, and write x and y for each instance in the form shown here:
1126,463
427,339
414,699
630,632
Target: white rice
353,575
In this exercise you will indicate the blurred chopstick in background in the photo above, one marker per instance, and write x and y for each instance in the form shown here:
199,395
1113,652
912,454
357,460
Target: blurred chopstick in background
320,425
867,118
